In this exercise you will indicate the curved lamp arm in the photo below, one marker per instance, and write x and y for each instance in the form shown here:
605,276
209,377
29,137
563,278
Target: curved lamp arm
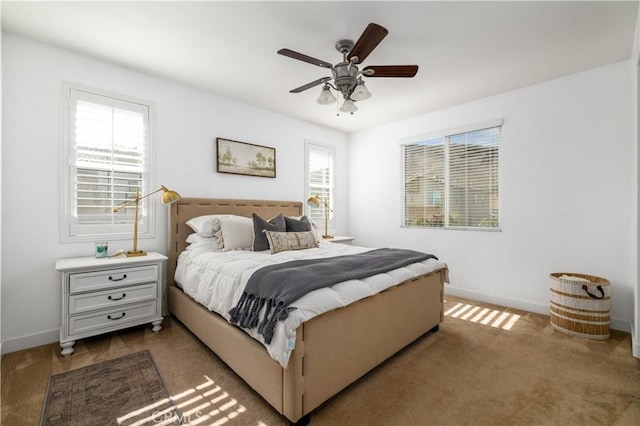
168,197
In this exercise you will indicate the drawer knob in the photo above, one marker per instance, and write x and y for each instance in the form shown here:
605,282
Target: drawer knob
118,298
117,279
113,319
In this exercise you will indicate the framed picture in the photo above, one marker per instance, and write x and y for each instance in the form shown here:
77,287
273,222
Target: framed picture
243,158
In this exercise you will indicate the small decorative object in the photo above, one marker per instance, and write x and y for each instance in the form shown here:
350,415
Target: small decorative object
168,197
316,201
242,158
102,249
119,253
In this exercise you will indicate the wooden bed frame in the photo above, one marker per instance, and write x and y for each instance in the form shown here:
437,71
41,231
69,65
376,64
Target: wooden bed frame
332,350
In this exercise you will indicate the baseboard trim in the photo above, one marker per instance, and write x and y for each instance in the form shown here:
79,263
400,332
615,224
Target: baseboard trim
30,341
616,324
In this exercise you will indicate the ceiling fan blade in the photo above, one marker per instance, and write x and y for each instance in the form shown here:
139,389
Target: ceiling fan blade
370,38
391,70
304,58
310,85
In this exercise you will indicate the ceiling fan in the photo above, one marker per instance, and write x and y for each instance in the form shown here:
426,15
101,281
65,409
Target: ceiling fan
347,78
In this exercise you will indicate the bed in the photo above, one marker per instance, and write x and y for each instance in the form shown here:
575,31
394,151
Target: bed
331,350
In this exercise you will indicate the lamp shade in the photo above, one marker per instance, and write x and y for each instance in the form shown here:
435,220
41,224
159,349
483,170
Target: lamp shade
326,97
360,93
349,106
314,201
169,196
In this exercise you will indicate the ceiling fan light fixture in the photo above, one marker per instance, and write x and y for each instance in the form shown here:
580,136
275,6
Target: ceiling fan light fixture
360,93
349,106
346,77
326,97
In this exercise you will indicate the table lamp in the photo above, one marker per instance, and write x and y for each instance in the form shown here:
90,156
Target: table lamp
316,201
168,197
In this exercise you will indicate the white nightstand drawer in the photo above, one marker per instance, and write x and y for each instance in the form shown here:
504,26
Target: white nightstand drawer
85,302
87,281
112,318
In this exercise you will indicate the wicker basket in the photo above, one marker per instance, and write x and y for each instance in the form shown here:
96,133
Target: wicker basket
580,305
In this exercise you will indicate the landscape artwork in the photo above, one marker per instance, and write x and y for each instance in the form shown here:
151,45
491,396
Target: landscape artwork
243,158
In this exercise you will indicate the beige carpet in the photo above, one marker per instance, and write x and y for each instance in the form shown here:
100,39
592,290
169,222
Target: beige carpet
507,367
126,390
472,372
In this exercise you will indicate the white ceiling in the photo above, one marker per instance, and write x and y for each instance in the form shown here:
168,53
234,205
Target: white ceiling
465,50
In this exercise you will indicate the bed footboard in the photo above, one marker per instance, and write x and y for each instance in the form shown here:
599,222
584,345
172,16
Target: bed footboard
332,350
343,345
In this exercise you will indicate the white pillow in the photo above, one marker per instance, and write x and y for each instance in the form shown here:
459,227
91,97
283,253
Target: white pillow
204,245
237,232
199,239
195,240
205,225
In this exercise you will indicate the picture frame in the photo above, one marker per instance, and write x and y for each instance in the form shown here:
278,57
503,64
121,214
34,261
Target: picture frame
242,158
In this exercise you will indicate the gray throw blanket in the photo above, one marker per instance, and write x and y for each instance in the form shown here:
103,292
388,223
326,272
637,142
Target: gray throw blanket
275,287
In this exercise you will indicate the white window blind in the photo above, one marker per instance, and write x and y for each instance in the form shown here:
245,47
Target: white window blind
320,180
108,148
453,180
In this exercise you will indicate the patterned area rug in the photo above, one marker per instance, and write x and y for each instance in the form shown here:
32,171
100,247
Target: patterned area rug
123,391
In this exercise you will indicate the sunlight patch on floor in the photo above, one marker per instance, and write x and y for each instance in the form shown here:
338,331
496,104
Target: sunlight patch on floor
204,404
210,405
485,316
129,418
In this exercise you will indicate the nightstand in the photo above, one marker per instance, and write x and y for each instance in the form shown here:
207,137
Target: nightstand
341,239
104,295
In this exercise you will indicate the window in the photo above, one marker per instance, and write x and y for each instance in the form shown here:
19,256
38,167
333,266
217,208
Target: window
107,158
320,180
453,180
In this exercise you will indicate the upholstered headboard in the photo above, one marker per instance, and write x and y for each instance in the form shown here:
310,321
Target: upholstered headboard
188,208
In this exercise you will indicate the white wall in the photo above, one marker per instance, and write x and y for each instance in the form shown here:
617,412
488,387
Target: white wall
568,176
567,181
0,191
188,121
635,199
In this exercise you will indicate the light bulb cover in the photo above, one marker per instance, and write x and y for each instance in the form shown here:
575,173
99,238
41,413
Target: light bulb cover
326,97
349,106
360,93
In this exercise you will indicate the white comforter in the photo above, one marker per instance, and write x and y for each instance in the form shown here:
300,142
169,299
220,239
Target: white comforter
217,279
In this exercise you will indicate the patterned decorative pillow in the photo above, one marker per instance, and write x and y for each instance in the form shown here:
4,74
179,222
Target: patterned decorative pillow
283,241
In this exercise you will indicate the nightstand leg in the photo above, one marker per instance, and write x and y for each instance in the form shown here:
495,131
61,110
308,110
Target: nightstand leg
157,326
67,347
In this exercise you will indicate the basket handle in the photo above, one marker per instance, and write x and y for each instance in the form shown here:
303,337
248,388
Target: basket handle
593,296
